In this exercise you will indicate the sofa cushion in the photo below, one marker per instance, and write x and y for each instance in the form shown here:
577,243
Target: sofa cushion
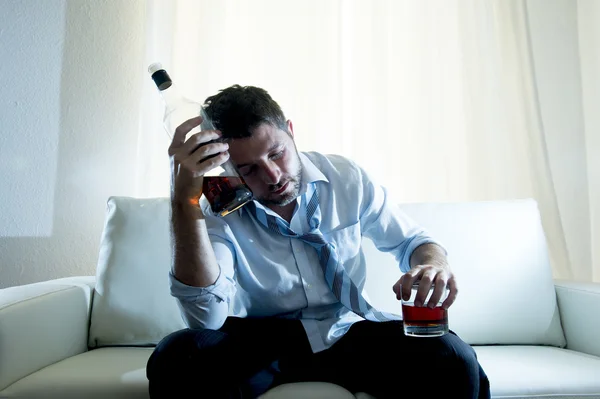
132,303
531,372
497,250
101,373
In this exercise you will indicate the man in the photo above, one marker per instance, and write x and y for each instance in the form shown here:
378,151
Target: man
272,293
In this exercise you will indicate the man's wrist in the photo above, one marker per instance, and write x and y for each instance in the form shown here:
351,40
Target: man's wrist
428,254
187,207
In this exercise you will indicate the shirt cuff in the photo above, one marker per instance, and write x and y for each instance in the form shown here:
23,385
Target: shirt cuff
222,288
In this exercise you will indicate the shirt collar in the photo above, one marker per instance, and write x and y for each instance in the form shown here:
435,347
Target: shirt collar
310,173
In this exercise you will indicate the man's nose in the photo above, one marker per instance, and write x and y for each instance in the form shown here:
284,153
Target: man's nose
271,174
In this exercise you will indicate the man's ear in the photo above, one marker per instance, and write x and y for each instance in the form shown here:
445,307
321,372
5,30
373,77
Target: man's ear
290,127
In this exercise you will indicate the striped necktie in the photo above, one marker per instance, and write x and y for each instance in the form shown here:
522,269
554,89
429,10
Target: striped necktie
336,277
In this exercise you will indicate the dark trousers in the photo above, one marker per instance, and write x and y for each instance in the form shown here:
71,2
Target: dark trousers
247,357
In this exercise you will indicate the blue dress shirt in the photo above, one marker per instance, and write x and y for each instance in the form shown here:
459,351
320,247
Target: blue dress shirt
266,274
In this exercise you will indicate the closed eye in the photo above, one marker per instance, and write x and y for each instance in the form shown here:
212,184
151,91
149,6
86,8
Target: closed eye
277,155
248,170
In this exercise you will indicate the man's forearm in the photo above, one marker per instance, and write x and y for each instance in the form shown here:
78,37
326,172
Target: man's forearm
428,254
194,261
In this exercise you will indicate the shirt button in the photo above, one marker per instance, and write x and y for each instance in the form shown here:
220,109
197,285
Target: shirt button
309,286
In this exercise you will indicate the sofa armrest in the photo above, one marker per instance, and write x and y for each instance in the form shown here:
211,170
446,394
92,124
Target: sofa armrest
41,324
579,306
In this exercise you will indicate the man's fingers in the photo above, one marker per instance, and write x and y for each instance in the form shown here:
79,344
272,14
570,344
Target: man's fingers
202,152
182,130
452,294
201,163
427,276
408,280
427,279
397,288
438,291
213,162
199,140
195,149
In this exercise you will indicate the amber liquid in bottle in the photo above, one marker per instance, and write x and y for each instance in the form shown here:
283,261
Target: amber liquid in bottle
225,194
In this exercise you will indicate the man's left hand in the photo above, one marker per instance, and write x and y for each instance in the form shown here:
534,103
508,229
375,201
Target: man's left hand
427,275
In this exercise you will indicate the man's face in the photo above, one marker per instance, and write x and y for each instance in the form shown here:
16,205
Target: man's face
269,163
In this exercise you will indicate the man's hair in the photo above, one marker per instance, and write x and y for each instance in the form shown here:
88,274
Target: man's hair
236,111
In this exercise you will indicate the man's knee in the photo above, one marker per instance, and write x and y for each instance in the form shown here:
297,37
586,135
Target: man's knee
463,359
459,367
179,359
179,350
453,349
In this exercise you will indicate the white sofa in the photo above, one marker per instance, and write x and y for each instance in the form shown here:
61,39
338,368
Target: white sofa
90,336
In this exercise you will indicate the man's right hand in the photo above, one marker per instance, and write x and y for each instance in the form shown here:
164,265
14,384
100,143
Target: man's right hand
194,261
189,160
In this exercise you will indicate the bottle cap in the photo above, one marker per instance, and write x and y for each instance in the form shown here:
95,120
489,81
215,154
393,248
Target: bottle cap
160,77
156,66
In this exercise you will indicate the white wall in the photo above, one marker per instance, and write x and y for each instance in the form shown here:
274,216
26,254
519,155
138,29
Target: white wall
71,76
30,102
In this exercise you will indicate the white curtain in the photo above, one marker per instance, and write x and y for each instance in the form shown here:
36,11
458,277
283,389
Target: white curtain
589,45
436,98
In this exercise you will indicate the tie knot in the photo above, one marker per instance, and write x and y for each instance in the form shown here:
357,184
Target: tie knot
315,239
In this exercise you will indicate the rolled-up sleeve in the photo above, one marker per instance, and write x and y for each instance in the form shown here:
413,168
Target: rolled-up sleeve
208,307
390,229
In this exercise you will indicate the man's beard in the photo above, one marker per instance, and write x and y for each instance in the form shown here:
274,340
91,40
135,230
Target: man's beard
291,195
286,198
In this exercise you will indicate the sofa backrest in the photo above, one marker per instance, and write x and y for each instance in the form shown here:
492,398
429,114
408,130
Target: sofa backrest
496,249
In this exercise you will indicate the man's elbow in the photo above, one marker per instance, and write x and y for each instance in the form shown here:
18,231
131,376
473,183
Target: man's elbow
204,317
